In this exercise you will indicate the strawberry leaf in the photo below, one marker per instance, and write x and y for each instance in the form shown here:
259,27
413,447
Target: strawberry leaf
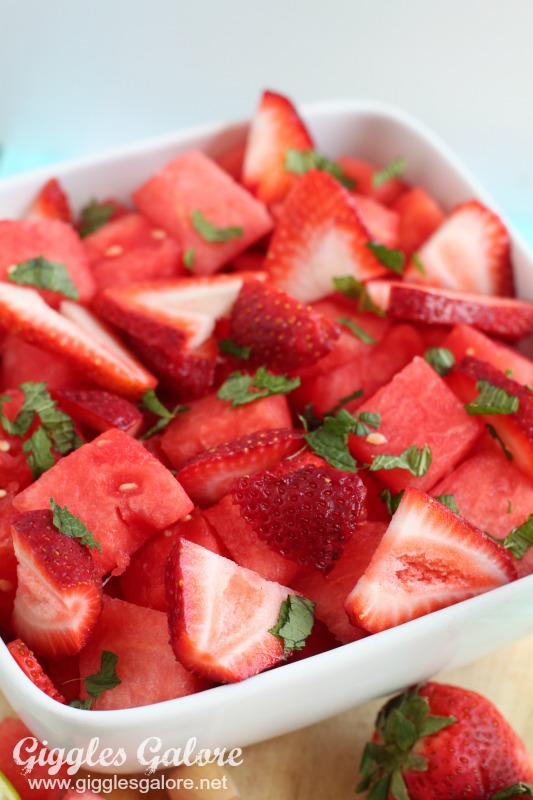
72,526
295,623
211,233
44,274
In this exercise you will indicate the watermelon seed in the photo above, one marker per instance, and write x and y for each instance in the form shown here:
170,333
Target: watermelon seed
4,446
376,438
157,233
127,487
3,494
114,250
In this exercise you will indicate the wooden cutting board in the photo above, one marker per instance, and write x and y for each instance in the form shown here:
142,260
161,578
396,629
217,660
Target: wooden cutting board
321,762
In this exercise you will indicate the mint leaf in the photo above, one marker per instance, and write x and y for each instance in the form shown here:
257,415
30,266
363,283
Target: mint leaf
441,359
72,526
85,705
94,216
39,450
102,681
448,500
357,331
58,425
492,400
211,233
295,623
330,440
520,789
414,459
241,388
391,259
394,169
509,507
301,161
352,396
495,435
392,501
152,403
417,264
520,539
231,348
189,257
355,290
44,274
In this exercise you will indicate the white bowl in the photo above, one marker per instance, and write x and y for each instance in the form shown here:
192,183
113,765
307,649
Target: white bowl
305,692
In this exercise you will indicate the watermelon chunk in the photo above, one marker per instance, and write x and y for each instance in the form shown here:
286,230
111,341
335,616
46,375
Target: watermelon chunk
12,731
464,340
22,362
193,182
130,495
146,665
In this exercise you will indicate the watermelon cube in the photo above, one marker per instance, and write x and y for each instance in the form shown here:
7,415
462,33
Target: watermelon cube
22,362
463,340
193,188
13,731
119,491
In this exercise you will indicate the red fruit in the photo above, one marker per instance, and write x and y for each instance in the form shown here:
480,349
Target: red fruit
329,592
73,794
22,239
469,252
362,173
130,249
15,473
244,545
118,490
59,595
100,410
516,430
65,675
429,558
13,731
211,421
306,516
8,561
319,237
220,615
419,216
23,362
464,340
282,333
417,409
208,476
474,752
51,203
231,160
380,221
31,667
194,183
146,665
76,335
275,128
108,210
499,316
143,583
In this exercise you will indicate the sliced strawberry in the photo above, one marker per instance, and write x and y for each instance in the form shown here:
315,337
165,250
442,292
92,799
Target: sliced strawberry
499,316
429,558
31,667
76,335
59,594
65,675
515,430
362,174
101,410
8,561
329,592
319,237
469,252
306,516
143,582
419,216
211,421
275,128
231,160
464,340
208,476
130,249
220,615
146,666
23,362
22,239
193,193
283,333
381,222
51,203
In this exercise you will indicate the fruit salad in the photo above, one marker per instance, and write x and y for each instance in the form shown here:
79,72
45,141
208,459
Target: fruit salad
269,404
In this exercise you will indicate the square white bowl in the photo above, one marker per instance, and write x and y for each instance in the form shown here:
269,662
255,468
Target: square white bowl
298,694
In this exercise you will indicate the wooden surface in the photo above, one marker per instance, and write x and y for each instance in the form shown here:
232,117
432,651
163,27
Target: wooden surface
321,762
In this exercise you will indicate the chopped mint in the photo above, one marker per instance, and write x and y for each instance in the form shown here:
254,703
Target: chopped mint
448,500
509,507
152,403
72,526
39,450
441,359
94,216
355,290
392,501
417,460
44,274
356,330
495,435
520,789
417,264
189,257
102,681
520,539
211,233
295,623
391,259
394,169
492,400
330,440
241,388
352,396
231,348
301,161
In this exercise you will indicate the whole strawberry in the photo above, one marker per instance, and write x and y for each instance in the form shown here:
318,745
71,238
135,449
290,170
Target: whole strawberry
442,742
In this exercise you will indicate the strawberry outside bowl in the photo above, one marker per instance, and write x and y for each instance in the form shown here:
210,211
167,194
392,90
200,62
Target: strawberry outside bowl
301,693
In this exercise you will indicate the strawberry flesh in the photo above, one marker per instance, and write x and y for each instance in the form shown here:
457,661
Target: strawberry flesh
101,410
51,203
31,667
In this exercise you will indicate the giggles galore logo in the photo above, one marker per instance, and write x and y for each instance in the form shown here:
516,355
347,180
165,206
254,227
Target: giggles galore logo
30,752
